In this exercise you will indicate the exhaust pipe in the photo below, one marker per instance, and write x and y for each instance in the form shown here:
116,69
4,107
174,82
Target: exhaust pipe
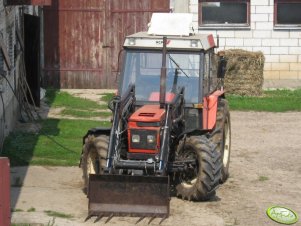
163,74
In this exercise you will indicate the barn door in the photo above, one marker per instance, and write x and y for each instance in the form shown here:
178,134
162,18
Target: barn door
122,18
82,39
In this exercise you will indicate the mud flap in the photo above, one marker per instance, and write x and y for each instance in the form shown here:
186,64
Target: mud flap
123,195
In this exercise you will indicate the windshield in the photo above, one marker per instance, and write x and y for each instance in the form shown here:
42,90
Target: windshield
142,69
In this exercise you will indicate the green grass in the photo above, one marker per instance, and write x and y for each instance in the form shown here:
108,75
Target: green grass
51,213
63,99
32,209
16,210
85,114
43,149
107,97
73,105
271,101
59,142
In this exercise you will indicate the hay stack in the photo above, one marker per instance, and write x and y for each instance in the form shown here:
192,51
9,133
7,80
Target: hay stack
244,74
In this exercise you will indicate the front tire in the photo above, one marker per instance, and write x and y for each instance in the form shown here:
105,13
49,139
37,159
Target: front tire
200,182
94,157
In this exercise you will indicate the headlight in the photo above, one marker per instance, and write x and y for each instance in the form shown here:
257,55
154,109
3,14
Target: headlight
150,139
144,139
135,138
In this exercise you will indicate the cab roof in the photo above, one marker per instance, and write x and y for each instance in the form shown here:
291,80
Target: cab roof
143,40
177,27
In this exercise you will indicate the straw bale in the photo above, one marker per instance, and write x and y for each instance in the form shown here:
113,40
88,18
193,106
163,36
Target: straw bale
244,75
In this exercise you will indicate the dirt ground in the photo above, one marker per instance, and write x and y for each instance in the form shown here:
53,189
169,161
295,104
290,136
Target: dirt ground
265,170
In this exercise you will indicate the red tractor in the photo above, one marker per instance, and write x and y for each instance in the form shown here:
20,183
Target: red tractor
170,130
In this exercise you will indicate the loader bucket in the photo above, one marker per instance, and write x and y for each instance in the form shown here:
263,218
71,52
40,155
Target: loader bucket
123,195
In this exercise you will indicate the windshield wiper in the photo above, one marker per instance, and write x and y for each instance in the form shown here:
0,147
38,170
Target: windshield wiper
178,66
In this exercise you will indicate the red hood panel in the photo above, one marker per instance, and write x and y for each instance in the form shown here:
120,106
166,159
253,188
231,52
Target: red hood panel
148,113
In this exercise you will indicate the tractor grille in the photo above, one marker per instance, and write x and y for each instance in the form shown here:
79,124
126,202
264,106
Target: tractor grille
143,143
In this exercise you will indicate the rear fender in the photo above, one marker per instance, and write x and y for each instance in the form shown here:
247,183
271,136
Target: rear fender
210,109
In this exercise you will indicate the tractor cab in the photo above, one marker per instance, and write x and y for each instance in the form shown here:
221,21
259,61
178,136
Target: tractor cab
142,69
189,69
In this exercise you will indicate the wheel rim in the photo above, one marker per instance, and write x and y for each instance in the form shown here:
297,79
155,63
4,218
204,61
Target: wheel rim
189,178
92,163
226,143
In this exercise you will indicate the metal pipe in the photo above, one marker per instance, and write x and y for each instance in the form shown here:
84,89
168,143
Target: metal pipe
165,142
163,75
112,139
135,165
72,69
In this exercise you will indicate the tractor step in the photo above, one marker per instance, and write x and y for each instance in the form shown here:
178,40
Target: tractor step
123,195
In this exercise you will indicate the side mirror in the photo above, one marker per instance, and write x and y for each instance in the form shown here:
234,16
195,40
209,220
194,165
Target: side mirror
221,68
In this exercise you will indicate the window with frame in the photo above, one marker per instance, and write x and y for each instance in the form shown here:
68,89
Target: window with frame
225,13
287,13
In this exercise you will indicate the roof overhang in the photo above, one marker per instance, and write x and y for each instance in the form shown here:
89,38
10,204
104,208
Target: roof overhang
27,2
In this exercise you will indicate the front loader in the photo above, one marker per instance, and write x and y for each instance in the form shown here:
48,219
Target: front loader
170,129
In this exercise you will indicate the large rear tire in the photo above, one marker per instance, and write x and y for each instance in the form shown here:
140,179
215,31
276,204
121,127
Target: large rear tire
94,157
221,136
199,183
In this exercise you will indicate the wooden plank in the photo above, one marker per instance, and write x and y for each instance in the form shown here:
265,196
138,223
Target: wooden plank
4,192
5,54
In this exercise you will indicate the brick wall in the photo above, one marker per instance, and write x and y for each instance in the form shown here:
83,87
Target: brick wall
282,48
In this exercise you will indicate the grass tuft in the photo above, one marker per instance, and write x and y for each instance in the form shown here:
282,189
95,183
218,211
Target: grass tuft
51,213
16,210
32,209
263,178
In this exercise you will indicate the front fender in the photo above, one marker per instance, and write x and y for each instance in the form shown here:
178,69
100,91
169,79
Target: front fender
210,109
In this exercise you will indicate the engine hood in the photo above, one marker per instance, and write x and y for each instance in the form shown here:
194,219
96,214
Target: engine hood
148,113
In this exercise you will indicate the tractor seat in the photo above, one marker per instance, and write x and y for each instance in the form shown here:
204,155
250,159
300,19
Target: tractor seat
156,95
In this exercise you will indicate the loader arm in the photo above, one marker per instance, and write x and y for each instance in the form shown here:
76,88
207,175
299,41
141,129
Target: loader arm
120,109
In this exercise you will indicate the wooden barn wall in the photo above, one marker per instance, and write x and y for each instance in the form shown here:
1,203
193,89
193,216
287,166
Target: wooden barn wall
82,39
